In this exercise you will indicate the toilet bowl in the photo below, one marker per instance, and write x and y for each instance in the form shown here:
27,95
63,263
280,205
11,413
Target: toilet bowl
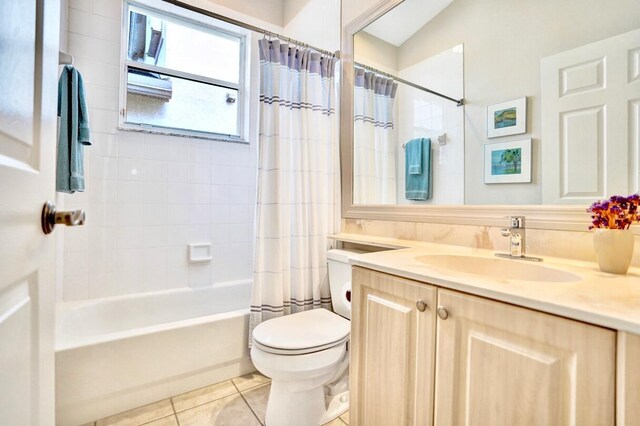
306,356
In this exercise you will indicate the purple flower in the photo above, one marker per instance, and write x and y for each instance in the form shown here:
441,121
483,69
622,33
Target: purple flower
617,212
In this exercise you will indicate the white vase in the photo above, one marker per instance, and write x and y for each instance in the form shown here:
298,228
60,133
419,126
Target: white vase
614,249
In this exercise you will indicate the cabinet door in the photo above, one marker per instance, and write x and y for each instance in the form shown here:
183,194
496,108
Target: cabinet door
628,380
498,364
392,351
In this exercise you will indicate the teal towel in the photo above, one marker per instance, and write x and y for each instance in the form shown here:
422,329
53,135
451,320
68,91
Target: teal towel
73,131
417,185
413,152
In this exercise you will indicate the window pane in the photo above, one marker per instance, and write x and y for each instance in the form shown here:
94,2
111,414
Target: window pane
157,40
164,101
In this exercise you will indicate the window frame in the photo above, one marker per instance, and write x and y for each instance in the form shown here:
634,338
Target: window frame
201,23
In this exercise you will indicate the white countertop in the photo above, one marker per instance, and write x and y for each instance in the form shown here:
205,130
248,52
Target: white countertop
599,298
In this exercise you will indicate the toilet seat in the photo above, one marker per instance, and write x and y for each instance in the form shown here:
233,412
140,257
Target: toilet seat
302,333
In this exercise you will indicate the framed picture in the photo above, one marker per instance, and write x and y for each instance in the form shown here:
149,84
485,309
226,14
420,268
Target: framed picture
507,118
507,162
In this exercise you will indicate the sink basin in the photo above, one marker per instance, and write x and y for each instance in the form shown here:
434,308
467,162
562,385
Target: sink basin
497,268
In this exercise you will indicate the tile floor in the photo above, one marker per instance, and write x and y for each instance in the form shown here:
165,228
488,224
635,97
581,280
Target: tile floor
237,402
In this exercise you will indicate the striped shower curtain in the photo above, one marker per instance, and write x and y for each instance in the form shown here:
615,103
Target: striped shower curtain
374,141
298,181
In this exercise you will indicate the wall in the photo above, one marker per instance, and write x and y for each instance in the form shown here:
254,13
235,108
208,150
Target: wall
503,47
421,114
315,22
372,51
148,195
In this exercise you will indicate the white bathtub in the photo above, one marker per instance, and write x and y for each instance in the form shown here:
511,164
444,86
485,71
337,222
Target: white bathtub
119,353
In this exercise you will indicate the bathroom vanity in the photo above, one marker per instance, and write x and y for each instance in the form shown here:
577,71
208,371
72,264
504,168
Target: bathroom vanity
451,335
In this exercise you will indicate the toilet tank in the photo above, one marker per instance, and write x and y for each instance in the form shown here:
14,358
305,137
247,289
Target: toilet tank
340,279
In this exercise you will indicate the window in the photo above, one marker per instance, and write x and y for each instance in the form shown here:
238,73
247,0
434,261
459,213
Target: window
182,76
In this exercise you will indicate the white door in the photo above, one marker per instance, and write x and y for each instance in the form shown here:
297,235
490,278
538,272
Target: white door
590,121
29,35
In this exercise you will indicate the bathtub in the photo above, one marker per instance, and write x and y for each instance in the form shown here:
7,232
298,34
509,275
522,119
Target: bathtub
119,353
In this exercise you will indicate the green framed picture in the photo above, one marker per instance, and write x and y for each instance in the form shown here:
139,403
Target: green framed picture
507,162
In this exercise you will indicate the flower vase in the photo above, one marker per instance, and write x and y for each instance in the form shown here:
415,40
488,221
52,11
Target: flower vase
614,249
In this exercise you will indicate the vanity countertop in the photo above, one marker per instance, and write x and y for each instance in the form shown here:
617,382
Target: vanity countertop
599,298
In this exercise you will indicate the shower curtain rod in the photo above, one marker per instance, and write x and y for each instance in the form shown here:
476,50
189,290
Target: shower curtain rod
459,102
248,26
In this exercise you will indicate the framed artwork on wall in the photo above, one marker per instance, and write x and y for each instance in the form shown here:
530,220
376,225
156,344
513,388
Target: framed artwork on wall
507,118
507,162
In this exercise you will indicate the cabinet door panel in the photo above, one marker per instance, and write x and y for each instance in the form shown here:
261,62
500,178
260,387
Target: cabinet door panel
499,364
628,380
392,351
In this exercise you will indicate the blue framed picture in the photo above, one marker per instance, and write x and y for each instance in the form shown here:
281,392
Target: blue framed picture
507,118
507,162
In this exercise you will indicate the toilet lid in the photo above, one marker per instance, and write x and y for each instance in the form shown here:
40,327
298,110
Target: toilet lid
302,332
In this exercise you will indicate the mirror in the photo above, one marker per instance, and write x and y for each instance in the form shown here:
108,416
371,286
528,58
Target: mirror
551,98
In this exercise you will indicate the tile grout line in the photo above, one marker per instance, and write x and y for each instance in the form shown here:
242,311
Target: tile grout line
200,405
175,414
247,402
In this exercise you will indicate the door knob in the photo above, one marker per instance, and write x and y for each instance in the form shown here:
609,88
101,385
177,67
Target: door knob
50,217
443,313
421,305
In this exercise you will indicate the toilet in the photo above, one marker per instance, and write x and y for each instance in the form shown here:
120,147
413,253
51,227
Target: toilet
305,355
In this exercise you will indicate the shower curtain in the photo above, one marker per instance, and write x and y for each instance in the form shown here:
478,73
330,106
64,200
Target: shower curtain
374,142
298,181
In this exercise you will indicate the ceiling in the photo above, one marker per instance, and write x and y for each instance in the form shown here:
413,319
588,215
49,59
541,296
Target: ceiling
400,23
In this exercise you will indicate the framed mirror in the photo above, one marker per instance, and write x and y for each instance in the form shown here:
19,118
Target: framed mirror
536,117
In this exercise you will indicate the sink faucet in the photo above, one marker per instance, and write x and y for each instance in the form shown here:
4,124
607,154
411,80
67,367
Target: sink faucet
515,232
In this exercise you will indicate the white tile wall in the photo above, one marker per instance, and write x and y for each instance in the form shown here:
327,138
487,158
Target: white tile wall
421,114
148,196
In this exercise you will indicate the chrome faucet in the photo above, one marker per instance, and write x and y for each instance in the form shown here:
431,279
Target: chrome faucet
516,234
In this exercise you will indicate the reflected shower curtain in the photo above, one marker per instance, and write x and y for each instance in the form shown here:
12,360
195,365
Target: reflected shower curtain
374,142
298,181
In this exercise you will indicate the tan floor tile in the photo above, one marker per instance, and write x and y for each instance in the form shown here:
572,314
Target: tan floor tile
165,421
89,424
203,395
335,422
139,415
228,411
249,381
257,398
345,417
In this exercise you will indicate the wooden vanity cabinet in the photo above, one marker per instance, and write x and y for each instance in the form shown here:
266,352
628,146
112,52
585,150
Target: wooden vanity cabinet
628,380
392,350
499,364
495,363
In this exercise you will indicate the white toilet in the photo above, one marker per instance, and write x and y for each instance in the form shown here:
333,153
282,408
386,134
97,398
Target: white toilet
305,355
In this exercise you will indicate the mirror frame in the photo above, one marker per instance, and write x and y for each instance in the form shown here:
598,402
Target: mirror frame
556,217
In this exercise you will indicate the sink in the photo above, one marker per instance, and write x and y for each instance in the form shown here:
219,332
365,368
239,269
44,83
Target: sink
501,269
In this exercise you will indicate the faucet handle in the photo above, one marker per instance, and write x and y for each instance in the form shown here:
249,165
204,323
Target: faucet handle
505,232
516,222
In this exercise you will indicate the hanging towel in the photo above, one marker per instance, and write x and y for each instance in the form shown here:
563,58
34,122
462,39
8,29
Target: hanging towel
413,151
73,131
417,185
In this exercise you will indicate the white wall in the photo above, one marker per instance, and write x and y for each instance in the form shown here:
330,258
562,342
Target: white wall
147,195
377,53
421,114
315,22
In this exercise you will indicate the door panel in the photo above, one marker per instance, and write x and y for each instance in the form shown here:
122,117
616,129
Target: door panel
589,130
29,31
498,364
